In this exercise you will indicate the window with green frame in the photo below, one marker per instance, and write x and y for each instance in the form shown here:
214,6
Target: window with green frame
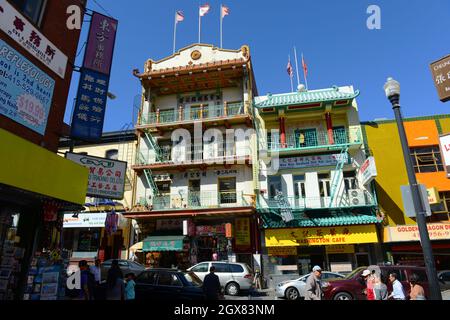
340,135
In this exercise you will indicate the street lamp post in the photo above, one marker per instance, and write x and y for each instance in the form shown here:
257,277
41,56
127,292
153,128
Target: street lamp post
392,89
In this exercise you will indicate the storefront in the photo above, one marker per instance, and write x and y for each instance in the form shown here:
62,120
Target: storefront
402,244
337,248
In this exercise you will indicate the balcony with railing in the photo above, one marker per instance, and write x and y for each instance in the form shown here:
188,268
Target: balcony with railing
192,157
312,140
195,200
182,115
360,198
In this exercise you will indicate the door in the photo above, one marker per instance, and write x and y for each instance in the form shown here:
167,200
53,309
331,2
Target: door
201,270
223,271
299,191
274,184
305,138
194,193
145,286
325,189
169,286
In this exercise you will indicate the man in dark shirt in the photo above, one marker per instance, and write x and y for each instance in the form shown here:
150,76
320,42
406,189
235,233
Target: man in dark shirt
211,285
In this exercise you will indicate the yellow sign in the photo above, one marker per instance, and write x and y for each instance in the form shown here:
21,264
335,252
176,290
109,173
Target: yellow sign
282,251
242,232
436,231
433,195
321,236
340,248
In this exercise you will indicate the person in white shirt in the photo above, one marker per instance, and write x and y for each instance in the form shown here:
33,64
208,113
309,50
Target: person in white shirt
397,288
96,271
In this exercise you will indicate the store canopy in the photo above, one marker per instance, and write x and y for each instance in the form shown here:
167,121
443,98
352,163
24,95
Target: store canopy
137,247
163,243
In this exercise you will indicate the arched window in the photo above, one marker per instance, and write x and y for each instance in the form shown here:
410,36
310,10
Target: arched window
112,154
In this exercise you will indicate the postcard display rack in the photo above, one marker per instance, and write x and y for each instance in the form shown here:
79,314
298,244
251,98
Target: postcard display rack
10,266
47,276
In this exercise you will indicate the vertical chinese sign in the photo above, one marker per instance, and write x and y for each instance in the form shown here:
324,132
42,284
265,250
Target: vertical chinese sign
440,70
242,233
89,112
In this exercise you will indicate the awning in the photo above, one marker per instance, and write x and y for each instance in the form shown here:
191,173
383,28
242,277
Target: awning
27,166
163,243
137,247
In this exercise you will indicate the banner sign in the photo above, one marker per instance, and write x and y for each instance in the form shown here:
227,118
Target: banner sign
106,177
25,91
242,232
440,70
321,236
210,230
100,44
444,143
312,161
340,248
89,112
436,231
368,171
24,33
169,224
282,251
85,220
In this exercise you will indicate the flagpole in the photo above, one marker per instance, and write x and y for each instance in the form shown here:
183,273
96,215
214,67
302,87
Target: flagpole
290,75
221,19
199,25
304,73
175,32
296,65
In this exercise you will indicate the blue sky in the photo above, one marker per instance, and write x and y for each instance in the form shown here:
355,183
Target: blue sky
338,47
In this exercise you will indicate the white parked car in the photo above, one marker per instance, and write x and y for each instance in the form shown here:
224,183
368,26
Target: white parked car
233,276
295,289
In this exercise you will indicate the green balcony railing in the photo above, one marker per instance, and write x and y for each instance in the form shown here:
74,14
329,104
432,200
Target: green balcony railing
193,114
195,200
362,199
312,139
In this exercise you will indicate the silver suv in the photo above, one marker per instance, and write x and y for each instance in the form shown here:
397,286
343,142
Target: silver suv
233,276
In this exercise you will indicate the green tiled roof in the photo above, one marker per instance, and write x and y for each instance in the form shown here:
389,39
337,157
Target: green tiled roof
296,98
273,220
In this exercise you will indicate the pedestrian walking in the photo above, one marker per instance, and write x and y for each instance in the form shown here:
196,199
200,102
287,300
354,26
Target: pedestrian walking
129,287
86,281
115,288
313,288
96,272
211,285
397,288
380,290
369,282
417,291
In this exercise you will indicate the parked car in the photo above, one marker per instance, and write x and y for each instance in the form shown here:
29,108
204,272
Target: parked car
168,284
295,289
444,279
127,266
352,286
233,276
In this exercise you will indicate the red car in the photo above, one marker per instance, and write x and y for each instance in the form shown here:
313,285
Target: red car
352,286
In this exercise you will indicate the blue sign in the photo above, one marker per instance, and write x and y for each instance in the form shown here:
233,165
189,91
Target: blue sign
25,91
89,111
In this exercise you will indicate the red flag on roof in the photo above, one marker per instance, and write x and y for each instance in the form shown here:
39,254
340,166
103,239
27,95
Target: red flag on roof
289,69
179,16
204,9
225,11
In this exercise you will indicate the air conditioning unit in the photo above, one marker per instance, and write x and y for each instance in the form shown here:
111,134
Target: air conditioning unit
357,197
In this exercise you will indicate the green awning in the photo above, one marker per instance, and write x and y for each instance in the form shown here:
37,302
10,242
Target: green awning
163,243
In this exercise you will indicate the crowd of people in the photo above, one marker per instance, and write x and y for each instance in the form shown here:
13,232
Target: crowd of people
375,283
117,287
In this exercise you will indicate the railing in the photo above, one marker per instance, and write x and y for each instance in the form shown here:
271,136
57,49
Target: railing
193,113
301,203
194,155
195,200
312,139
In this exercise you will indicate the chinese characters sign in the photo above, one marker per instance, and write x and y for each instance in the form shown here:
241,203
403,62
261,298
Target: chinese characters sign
368,171
441,76
24,33
169,224
100,46
242,232
311,161
210,230
89,111
25,91
444,142
321,236
163,244
106,177
436,231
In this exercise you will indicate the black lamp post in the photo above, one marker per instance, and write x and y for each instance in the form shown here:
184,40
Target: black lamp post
392,89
